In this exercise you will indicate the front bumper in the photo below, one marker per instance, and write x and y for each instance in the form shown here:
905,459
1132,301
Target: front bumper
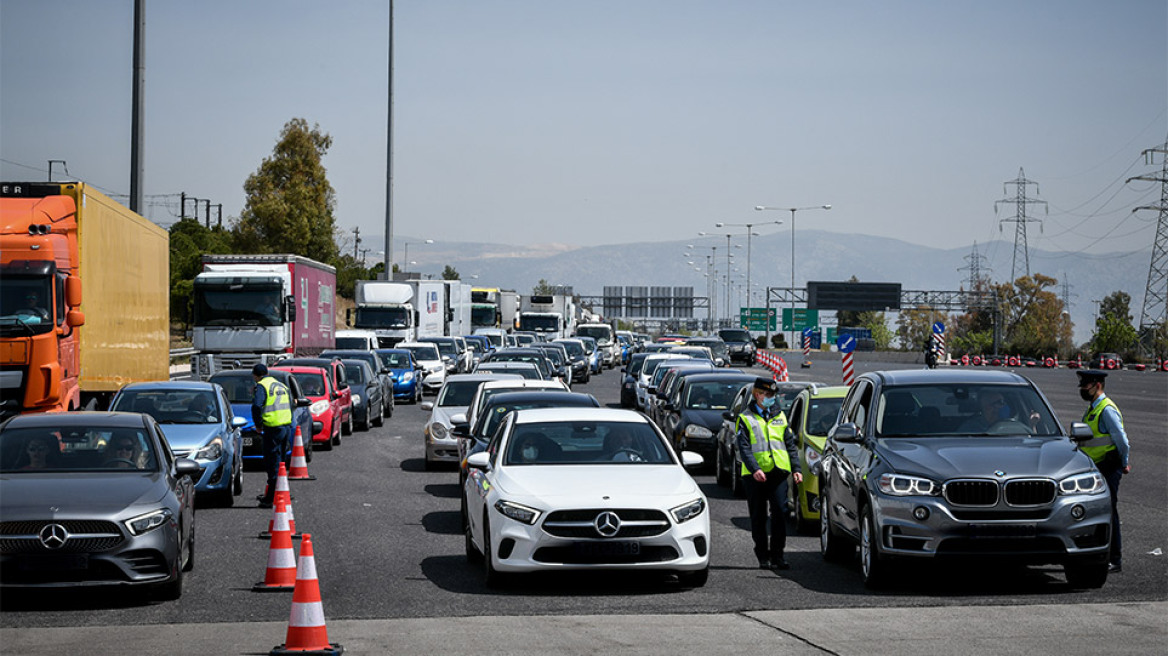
441,450
1040,534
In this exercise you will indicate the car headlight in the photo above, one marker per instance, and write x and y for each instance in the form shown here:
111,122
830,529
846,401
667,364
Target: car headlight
899,485
693,430
813,457
688,511
438,430
407,376
518,512
148,522
213,450
1089,483
356,399
319,407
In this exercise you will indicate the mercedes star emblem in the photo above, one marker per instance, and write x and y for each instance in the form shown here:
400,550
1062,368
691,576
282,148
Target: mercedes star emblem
53,536
607,524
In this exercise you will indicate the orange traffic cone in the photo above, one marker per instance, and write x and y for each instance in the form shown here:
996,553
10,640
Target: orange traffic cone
307,633
280,510
299,461
281,572
285,494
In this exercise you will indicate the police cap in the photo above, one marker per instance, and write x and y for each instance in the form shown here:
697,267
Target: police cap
260,370
1089,376
767,385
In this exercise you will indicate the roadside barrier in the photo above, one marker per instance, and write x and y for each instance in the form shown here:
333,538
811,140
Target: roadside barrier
775,364
299,461
976,360
1164,365
280,575
1050,363
307,632
849,372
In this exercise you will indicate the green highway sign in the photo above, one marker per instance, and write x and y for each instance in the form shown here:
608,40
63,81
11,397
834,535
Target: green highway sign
804,318
756,318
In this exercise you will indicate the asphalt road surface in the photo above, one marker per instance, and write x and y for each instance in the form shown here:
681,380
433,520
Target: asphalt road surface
389,547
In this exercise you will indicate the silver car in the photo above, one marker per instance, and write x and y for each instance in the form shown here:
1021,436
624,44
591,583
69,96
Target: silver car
965,464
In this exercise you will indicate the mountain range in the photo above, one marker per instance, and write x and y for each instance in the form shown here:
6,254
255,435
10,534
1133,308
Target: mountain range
819,255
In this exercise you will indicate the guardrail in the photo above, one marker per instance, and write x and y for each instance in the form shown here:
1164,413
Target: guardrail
180,371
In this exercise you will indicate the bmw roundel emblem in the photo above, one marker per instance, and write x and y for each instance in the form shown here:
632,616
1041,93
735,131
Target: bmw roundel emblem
999,473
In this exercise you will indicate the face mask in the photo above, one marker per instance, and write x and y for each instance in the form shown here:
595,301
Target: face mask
768,401
530,452
1086,394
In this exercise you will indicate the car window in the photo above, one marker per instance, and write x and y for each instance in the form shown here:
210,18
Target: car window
586,443
795,415
170,406
77,449
859,401
458,392
711,395
961,409
821,414
312,383
355,373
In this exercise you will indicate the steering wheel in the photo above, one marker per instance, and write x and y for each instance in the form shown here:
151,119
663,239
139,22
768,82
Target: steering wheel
114,461
634,455
1009,427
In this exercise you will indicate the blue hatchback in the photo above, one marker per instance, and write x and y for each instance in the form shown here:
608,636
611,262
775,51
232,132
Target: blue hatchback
199,424
407,385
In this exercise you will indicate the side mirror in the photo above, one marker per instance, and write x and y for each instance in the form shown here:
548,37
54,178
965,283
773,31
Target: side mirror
1080,432
187,467
303,402
480,460
427,405
75,318
290,308
727,416
73,292
847,433
458,418
460,429
691,459
238,422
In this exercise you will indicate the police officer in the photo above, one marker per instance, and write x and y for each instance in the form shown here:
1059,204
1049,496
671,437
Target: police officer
1108,447
271,409
768,453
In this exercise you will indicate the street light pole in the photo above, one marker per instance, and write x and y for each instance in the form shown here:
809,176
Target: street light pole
792,210
406,258
749,233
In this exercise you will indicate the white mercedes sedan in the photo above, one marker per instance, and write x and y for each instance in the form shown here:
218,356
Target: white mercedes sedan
581,489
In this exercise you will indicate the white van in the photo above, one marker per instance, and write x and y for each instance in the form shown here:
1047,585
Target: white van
605,338
365,340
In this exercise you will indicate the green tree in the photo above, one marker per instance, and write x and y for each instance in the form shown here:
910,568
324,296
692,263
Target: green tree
289,205
349,271
189,240
1113,327
543,287
914,327
972,332
450,273
1033,320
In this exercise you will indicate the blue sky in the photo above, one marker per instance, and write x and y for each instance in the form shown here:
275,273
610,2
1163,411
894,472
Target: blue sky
537,122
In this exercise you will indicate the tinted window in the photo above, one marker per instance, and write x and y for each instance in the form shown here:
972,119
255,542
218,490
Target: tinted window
170,406
586,442
458,392
72,448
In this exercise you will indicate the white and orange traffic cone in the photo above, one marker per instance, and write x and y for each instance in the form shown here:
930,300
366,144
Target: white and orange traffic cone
307,633
281,572
299,470
283,492
280,510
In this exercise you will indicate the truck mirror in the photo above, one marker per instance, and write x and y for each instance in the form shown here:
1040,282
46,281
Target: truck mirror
73,292
75,318
290,308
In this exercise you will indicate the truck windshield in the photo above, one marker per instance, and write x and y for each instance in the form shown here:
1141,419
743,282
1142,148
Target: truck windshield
602,334
539,324
26,305
233,305
482,316
383,317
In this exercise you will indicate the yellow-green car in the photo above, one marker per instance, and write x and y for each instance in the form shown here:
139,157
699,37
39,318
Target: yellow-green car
811,417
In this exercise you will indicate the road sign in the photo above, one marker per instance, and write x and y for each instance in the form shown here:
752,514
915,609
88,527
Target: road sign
938,328
756,318
846,343
804,318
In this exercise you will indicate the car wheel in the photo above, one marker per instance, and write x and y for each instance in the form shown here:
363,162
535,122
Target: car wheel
189,564
379,418
327,445
737,488
171,590
347,427
832,545
720,474
874,567
386,408
1082,574
803,526
237,484
368,423
226,496
694,579
491,577
473,555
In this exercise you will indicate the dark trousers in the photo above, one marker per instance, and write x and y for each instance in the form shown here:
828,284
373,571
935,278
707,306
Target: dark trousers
275,446
770,494
1112,473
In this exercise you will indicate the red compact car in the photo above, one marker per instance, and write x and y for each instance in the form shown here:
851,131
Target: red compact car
331,406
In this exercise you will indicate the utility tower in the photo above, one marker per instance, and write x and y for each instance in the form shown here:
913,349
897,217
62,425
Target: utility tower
976,268
1020,219
1156,293
1066,293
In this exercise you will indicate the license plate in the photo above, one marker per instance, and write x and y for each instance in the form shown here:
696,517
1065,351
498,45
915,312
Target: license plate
1002,530
249,441
63,562
608,548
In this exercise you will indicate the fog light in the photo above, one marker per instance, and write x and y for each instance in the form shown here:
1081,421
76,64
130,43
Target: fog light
921,513
1078,512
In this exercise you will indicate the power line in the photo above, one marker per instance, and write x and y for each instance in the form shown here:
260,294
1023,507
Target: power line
1156,293
1020,220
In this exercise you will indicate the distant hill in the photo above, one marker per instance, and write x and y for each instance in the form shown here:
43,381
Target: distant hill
820,256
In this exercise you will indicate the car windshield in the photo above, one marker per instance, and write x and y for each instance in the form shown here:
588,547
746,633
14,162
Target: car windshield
356,343
586,443
821,414
493,415
962,410
239,388
575,349
733,335
525,369
650,366
712,395
424,352
457,392
76,449
602,334
170,406
311,383
445,347
355,373
395,360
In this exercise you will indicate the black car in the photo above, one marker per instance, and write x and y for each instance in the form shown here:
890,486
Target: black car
377,363
694,408
929,465
739,345
94,498
727,464
629,374
368,393
523,354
